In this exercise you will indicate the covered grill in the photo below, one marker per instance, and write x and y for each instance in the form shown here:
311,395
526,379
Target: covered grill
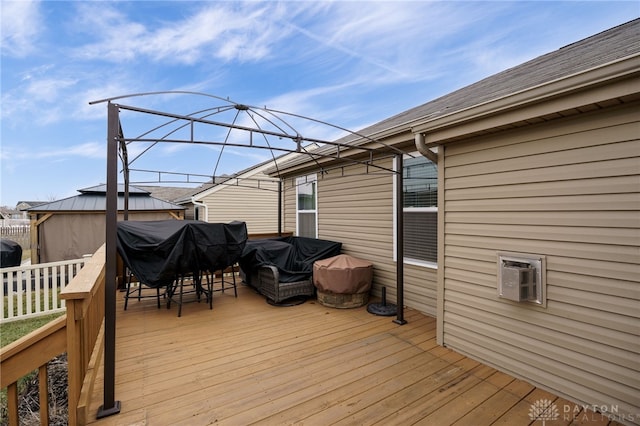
11,253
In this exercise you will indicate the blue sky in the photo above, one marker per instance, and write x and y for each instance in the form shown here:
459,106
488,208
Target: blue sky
350,64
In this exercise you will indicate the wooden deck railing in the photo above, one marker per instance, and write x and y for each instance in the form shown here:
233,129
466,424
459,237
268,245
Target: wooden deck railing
33,290
85,323
31,352
77,333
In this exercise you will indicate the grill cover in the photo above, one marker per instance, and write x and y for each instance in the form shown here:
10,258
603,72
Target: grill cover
343,274
159,250
10,253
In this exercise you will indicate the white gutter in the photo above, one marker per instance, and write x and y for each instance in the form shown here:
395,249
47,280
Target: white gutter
201,204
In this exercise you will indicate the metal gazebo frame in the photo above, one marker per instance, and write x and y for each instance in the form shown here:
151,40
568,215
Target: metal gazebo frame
117,147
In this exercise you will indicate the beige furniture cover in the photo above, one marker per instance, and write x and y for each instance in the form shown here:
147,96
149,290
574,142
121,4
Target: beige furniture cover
343,274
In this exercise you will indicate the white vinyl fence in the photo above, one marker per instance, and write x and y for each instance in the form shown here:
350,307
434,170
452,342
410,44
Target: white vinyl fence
33,290
16,230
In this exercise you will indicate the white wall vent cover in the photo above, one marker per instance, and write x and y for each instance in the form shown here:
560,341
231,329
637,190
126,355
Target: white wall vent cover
522,278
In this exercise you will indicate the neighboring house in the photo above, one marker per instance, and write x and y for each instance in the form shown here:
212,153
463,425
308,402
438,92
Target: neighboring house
19,213
167,193
8,214
23,206
250,196
73,227
538,175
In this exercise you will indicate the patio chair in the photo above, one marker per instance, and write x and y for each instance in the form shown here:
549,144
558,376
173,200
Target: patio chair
231,270
282,268
277,291
139,291
176,291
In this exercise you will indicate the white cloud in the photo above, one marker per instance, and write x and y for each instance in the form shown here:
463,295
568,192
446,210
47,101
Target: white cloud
392,41
84,150
225,30
21,23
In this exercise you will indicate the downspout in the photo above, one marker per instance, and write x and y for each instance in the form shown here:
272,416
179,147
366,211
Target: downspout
400,244
423,149
279,207
201,204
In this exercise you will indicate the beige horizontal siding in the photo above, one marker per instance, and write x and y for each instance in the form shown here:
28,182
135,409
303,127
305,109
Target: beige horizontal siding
289,201
356,209
606,219
597,169
579,234
595,253
568,190
255,203
546,137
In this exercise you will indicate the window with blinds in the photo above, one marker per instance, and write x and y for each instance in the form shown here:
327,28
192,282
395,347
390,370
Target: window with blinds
420,188
306,201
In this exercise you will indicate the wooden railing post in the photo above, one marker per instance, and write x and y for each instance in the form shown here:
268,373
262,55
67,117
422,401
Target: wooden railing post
85,314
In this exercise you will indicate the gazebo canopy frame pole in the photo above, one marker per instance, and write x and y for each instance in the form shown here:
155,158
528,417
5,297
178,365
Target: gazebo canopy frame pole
110,406
400,243
280,208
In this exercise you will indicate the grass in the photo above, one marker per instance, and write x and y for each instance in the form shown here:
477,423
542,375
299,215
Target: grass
26,254
12,331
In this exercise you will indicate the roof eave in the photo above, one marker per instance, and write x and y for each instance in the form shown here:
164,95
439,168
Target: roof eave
597,84
571,91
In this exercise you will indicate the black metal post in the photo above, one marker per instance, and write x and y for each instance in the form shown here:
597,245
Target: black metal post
110,405
280,207
400,242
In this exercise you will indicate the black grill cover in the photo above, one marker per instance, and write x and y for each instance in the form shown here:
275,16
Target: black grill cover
158,251
293,256
10,253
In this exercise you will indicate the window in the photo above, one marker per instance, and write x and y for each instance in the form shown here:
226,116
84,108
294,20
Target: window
420,187
306,202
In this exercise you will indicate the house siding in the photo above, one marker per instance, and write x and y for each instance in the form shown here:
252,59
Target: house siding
252,201
189,211
568,190
355,207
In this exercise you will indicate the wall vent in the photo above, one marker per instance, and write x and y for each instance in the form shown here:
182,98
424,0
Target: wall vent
522,278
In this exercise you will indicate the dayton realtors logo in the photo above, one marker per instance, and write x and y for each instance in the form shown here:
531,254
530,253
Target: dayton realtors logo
543,409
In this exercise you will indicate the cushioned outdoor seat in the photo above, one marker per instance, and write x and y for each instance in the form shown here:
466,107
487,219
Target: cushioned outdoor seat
282,268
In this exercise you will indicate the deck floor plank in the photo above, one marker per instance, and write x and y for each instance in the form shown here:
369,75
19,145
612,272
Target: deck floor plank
248,362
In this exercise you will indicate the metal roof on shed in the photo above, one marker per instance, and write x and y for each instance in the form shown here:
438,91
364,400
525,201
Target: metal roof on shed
94,199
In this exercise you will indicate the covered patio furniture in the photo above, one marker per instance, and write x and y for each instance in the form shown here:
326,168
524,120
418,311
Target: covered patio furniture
10,253
164,253
343,281
282,268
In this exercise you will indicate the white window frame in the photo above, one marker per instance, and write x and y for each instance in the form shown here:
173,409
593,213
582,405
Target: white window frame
300,182
407,260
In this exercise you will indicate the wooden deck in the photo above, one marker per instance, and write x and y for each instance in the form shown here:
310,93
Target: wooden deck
248,362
